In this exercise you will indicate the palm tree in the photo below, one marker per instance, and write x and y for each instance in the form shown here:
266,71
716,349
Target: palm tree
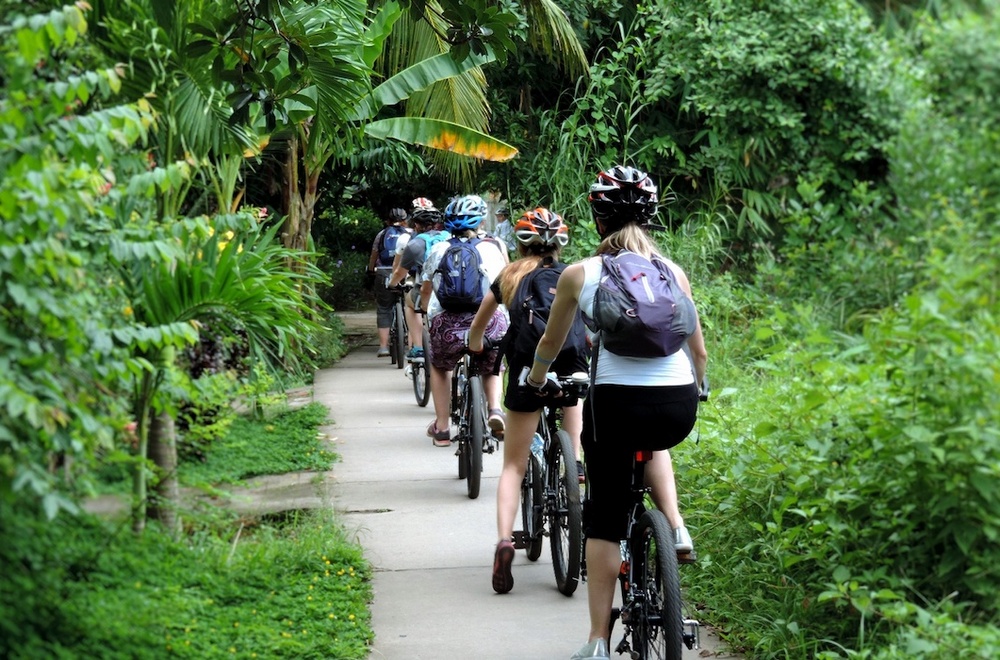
462,98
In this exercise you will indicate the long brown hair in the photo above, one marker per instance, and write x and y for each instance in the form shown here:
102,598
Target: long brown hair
514,272
630,237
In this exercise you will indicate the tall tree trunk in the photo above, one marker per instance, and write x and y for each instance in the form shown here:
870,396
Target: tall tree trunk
293,200
163,453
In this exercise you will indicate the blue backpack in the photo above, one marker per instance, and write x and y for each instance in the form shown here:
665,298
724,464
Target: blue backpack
387,247
639,308
458,280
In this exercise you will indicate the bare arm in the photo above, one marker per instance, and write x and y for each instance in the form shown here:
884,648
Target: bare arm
696,342
398,272
425,294
561,317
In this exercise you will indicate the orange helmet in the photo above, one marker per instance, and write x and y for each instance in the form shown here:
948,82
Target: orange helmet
541,227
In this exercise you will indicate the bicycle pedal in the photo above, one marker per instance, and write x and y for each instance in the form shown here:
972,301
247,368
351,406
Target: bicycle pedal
687,558
521,540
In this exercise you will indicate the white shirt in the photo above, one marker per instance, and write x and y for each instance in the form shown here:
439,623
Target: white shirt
673,369
493,263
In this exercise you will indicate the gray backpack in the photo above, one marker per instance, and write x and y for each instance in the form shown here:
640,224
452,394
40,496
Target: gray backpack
639,308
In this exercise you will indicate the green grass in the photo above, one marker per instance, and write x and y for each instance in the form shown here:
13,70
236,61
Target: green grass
287,586
287,442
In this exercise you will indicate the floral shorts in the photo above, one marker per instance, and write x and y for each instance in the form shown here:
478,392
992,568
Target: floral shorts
447,332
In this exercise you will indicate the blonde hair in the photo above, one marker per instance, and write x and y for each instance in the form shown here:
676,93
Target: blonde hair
630,237
529,258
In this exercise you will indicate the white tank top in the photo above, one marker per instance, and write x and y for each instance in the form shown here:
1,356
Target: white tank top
673,369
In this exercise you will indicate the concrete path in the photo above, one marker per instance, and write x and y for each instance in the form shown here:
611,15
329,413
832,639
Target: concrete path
431,546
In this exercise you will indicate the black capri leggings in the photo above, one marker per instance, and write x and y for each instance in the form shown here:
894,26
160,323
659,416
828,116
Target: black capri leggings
617,421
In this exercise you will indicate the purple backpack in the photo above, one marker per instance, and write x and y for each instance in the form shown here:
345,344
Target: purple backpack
639,308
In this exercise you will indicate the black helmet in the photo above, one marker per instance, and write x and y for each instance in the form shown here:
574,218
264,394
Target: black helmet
623,195
429,216
397,215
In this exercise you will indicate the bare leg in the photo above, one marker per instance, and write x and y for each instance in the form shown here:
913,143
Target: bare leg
660,479
603,563
441,391
491,386
520,430
572,423
383,337
413,324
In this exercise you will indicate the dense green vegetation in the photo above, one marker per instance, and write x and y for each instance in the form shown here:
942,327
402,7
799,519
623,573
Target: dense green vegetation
282,586
829,181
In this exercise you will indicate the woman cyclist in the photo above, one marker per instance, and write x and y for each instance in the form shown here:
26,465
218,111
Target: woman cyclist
652,400
448,329
541,235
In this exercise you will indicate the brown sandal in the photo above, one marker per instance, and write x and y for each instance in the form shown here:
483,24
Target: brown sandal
439,438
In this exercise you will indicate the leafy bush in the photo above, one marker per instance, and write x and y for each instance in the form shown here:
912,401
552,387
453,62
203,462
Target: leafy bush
864,485
284,443
346,289
95,590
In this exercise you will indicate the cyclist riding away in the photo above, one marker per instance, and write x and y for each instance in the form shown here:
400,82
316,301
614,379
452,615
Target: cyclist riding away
634,402
428,223
382,255
454,280
541,235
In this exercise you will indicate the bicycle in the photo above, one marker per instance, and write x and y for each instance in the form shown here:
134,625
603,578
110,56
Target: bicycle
418,370
469,415
397,326
652,610
550,494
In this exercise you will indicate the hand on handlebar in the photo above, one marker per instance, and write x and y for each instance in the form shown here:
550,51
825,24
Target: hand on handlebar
549,387
704,389
488,345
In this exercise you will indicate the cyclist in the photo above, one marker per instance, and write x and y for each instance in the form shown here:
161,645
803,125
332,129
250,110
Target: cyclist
447,329
428,227
541,235
650,401
383,252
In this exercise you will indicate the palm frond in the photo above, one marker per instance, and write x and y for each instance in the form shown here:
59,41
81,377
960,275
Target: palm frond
551,33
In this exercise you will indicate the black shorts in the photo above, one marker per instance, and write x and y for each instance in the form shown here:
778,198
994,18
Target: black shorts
520,400
627,419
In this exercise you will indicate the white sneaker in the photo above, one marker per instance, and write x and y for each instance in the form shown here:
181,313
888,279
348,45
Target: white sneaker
682,541
595,650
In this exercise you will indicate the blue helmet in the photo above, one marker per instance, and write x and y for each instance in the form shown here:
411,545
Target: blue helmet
464,213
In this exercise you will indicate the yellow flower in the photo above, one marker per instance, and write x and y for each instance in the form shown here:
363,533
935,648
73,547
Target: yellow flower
236,624
350,617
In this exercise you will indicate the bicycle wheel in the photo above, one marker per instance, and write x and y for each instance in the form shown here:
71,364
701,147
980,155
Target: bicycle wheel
422,375
421,383
532,503
657,624
398,341
565,521
476,418
457,409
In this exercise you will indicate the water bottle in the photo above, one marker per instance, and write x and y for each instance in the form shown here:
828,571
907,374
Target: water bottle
538,448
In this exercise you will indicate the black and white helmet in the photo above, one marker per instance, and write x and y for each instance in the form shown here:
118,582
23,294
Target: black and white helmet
623,195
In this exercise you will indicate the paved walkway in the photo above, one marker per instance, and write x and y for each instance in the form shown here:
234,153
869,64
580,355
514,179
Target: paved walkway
431,546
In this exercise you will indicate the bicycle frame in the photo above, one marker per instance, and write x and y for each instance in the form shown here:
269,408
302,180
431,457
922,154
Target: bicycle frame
635,588
468,413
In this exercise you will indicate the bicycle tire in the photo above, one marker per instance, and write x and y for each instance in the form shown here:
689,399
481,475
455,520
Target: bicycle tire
422,374
457,407
532,503
657,624
476,410
398,347
566,518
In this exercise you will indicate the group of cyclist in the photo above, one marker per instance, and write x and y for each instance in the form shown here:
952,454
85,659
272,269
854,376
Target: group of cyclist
633,403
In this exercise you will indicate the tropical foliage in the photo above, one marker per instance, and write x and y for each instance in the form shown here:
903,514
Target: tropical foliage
826,171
